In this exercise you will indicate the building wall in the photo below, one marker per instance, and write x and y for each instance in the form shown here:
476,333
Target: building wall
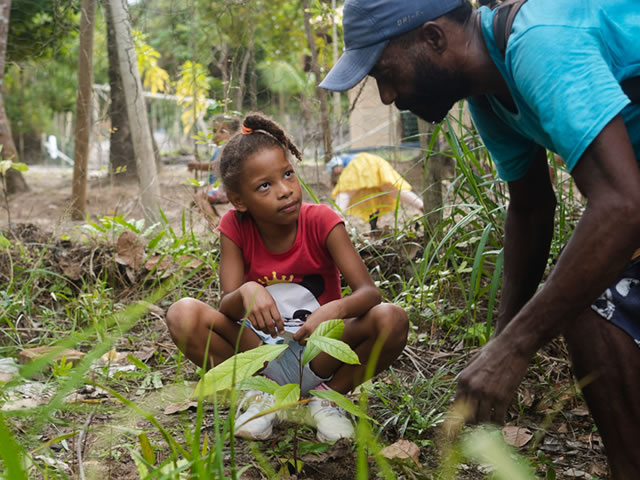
372,124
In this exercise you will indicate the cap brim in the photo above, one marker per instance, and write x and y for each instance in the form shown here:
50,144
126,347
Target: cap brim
352,67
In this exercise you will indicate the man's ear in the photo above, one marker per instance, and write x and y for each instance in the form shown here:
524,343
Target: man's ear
434,35
236,201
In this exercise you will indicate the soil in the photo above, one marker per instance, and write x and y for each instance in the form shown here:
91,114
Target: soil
47,204
547,405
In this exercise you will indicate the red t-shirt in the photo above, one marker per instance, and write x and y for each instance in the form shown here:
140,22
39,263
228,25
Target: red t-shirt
306,263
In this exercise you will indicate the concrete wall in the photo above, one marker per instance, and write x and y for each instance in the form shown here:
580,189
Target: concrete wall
371,122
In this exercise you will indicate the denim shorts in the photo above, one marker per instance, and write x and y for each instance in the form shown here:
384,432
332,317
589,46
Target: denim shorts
286,368
620,303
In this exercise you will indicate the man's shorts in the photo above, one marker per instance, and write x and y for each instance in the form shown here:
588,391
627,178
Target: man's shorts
620,303
286,368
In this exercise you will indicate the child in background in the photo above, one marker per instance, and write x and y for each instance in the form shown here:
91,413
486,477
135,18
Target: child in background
206,199
366,186
280,267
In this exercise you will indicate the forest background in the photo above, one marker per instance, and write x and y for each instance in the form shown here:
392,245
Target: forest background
99,237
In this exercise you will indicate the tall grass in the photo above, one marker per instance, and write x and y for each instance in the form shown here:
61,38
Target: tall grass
450,286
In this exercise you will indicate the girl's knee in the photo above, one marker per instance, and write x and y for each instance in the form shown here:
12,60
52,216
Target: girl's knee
182,313
392,321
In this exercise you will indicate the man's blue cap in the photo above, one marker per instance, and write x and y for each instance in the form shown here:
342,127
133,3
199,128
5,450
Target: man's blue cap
368,25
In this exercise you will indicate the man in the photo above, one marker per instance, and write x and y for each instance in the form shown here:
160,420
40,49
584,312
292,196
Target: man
557,87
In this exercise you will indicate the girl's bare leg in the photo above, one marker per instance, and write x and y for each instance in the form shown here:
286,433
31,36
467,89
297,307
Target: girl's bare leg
194,324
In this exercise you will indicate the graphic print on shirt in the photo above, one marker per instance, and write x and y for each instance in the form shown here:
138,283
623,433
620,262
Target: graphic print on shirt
296,301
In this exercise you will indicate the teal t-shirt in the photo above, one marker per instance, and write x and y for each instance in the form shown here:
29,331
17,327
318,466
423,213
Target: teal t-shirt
564,63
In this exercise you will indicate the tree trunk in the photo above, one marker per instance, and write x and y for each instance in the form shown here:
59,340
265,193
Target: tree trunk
15,180
83,111
136,111
241,76
320,93
121,155
433,176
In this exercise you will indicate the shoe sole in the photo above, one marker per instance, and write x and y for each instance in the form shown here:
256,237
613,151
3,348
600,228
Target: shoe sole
250,436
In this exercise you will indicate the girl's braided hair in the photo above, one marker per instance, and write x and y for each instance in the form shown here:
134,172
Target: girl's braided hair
265,134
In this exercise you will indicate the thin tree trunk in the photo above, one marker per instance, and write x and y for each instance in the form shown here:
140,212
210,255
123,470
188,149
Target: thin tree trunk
121,155
136,110
83,111
320,93
241,77
433,176
15,180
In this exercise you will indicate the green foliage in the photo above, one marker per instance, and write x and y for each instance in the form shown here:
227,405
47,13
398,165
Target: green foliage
40,28
236,369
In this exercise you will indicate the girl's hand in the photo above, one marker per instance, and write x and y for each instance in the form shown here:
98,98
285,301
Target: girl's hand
309,326
261,309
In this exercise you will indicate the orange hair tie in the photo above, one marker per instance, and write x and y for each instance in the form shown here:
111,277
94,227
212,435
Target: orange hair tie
246,130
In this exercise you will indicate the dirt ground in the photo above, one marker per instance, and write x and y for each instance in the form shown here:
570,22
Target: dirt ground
47,204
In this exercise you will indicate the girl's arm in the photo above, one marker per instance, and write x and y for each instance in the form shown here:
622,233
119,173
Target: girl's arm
245,300
365,295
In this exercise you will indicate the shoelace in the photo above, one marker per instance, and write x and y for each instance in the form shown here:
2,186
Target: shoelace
259,398
331,409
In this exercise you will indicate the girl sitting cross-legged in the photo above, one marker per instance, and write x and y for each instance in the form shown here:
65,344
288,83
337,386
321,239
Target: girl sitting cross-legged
280,267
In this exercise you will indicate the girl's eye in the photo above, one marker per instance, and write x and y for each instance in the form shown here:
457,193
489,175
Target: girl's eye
263,187
289,174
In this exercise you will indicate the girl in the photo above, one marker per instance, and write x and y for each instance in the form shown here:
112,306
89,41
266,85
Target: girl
280,268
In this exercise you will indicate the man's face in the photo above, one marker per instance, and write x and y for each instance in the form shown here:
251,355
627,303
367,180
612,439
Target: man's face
410,79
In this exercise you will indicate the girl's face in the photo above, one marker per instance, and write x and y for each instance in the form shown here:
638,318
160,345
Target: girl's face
270,190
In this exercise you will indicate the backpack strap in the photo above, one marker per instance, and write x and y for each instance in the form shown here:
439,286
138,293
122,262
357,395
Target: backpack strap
503,21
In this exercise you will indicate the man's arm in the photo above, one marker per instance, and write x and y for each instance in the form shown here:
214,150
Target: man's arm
527,238
601,245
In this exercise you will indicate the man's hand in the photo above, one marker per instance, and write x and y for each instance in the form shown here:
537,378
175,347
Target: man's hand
487,385
261,309
192,165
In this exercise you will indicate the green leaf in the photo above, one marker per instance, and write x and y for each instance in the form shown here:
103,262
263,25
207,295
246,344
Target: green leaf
21,167
336,348
5,165
342,402
287,394
4,242
259,383
245,364
133,360
147,450
330,328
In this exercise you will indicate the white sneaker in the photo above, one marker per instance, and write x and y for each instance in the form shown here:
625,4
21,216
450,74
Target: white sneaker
330,420
259,428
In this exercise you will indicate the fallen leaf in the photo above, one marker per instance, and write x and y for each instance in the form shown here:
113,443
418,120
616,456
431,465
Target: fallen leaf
30,354
516,436
179,407
53,463
71,270
189,262
8,369
144,354
162,264
575,473
526,397
563,428
113,357
129,250
153,309
580,411
402,449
